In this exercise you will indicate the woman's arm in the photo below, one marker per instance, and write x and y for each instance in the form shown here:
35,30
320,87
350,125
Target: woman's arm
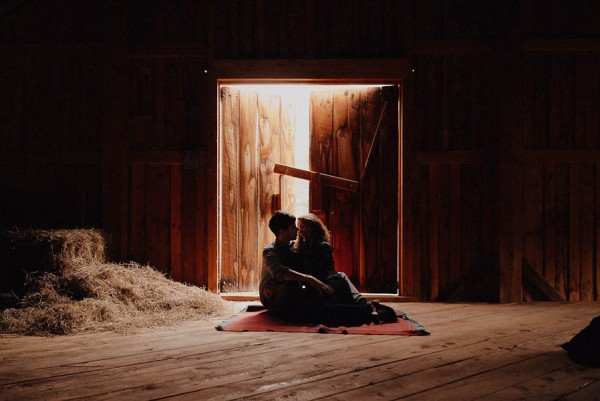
324,258
321,287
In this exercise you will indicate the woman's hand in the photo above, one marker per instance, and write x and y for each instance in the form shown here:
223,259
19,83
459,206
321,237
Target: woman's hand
321,287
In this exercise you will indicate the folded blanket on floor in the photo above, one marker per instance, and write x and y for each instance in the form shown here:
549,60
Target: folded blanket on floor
257,318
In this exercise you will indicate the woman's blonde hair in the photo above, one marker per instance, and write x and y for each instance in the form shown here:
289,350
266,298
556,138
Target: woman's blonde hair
319,229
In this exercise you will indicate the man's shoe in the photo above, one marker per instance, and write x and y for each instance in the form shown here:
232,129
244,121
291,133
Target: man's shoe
383,313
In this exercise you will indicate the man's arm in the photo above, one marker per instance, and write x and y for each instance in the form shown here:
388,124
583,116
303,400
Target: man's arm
278,271
321,287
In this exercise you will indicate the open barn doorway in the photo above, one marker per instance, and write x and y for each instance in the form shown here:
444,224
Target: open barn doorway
329,149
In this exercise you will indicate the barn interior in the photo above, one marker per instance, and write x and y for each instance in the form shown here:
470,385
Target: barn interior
452,147
114,116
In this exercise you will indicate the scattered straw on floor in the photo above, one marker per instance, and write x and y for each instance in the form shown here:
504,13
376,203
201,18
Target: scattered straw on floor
73,290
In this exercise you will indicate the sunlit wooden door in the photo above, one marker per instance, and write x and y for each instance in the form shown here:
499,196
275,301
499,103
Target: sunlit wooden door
354,135
257,131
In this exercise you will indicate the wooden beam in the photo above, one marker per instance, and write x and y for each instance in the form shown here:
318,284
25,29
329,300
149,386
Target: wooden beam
522,156
156,157
558,156
560,45
72,157
453,156
167,50
326,179
304,70
449,46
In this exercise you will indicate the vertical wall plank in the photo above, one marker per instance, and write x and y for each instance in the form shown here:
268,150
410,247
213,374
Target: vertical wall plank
471,212
250,269
550,224
343,215
562,229
388,178
157,222
508,141
371,113
137,233
176,196
176,104
159,112
587,104
597,236
434,223
456,219
188,225
114,142
321,137
288,134
536,118
141,105
587,232
269,134
444,187
532,215
229,280
574,232
205,268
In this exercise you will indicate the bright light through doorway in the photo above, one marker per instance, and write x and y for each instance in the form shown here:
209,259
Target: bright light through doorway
299,96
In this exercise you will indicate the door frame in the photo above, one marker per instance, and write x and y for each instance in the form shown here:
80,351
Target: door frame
391,71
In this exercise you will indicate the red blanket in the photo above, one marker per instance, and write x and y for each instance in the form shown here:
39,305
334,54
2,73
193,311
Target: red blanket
257,318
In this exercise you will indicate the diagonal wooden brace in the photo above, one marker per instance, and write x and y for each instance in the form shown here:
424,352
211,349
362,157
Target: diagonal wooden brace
317,180
326,179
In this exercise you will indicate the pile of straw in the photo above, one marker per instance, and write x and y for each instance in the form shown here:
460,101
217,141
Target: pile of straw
70,288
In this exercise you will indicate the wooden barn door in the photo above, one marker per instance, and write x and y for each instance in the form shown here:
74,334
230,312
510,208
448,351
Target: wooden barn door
354,135
257,131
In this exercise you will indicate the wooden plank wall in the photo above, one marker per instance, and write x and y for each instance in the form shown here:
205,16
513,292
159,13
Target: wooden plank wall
560,196
109,101
451,184
165,168
50,134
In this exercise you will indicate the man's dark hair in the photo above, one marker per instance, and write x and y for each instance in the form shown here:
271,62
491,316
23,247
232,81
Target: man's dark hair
280,221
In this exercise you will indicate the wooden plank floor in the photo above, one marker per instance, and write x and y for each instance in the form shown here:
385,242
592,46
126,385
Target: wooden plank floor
475,352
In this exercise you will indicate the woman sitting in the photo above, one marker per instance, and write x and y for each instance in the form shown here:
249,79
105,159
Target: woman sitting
346,306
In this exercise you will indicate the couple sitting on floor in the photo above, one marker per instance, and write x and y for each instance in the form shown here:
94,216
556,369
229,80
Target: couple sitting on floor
300,284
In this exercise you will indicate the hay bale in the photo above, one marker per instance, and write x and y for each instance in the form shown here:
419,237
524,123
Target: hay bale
72,289
52,250
28,251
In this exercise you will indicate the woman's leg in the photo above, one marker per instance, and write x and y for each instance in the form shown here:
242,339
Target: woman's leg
356,295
